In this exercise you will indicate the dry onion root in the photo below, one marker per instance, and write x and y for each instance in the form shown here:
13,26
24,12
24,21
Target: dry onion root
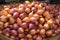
29,21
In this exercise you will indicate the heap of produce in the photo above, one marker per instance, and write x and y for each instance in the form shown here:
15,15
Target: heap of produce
30,20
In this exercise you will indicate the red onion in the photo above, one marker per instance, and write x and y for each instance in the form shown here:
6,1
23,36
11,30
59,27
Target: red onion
15,26
31,25
13,32
15,14
24,25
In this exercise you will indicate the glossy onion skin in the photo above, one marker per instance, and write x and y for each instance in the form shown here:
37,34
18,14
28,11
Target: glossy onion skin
31,26
30,20
24,25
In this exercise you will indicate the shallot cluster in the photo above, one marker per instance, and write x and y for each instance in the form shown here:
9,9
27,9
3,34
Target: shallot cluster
30,20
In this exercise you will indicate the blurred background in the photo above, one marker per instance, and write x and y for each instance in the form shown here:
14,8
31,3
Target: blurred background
47,1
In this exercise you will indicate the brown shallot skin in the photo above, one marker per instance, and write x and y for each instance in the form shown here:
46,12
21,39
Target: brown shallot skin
33,31
40,26
46,26
3,18
42,32
11,20
20,30
1,25
40,12
49,32
21,10
6,24
19,21
29,36
26,19
0,31
41,20
21,35
36,16
30,20
27,10
39,38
